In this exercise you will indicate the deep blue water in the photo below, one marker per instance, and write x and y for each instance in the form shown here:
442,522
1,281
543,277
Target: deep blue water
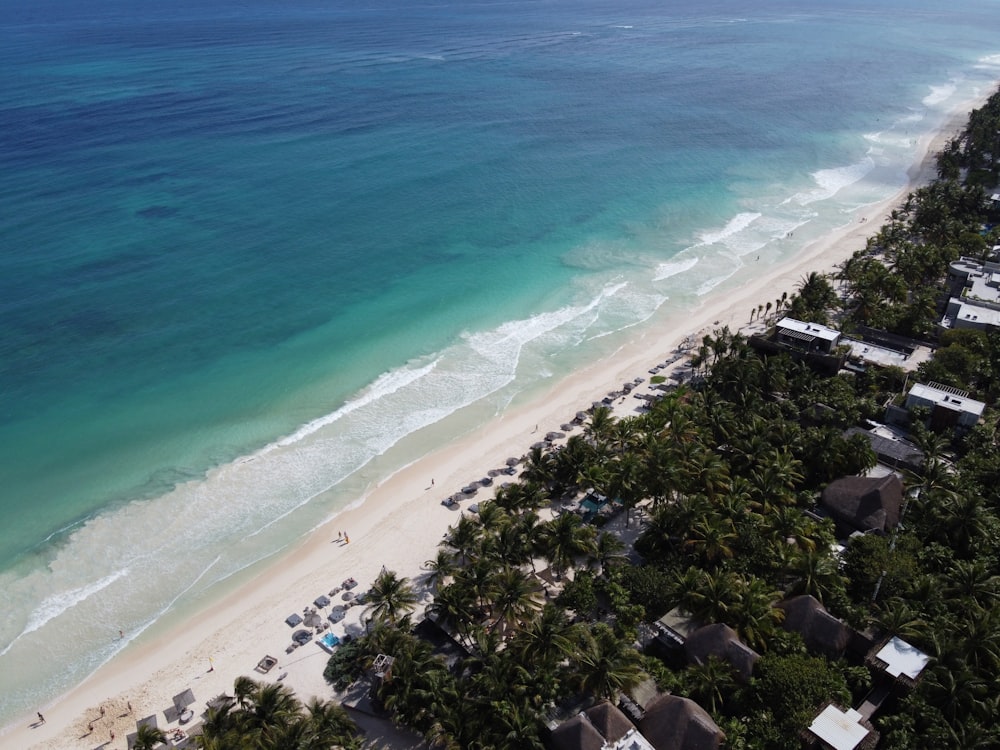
221,221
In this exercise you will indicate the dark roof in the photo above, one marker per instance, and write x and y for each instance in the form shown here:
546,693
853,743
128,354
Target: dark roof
865,502
609,721
898,452
820,630
577,734
674,723
721,641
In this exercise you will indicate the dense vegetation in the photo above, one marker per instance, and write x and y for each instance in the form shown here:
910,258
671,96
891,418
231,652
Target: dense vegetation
269,717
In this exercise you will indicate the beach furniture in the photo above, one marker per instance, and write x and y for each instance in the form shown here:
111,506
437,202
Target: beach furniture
328,642
292,620
266,664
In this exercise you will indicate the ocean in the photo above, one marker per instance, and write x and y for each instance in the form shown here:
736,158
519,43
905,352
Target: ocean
255,255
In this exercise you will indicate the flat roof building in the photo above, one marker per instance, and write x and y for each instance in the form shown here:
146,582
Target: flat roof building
811,337
950,407
840,730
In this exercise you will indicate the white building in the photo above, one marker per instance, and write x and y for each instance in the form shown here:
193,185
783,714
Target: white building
979,305
949,407
810,337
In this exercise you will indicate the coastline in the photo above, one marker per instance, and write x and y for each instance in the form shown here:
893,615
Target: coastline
401,520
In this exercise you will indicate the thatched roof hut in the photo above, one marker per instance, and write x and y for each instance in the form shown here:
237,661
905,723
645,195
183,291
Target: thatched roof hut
609,721
720,640
821,631
865,503
577,734
598,727
674,723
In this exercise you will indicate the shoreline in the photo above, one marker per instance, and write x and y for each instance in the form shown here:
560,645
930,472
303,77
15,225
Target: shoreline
399,521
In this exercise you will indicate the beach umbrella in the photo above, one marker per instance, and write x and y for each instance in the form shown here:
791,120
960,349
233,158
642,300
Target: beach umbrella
513,461
321,601
292,620
149,721
313,619
183,700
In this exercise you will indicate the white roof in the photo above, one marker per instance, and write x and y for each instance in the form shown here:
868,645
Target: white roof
973,313
902,658
841,730
948,400
633,740
811,329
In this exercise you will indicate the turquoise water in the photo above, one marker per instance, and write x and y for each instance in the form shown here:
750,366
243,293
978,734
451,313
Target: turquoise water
249,247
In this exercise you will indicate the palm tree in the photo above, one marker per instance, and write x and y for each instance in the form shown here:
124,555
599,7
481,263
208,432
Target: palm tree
815,574
708,681
754,615
625,481
896,617
492,517
565,538
973,579
712,538
391,596
547,639
271,707
441,568
148,737
608,551
464,538
326,725
455,606
514,597
599,428
607,664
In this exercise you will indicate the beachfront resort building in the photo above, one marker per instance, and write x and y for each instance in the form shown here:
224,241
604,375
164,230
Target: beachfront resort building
837,729
668,722
808,337
950,408
864,503
975,300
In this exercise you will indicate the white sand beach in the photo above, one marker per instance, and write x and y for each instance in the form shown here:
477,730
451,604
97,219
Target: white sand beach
398,526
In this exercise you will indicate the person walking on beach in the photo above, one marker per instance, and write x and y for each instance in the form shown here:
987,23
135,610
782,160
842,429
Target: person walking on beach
41,719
